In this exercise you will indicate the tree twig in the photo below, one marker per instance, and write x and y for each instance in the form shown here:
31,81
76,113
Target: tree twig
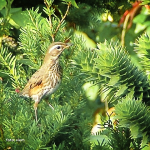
124,30
69,4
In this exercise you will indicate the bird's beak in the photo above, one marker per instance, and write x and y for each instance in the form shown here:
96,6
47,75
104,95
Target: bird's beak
68,45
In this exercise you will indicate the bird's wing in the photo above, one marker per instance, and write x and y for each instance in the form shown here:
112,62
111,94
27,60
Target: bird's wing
34,84
36,80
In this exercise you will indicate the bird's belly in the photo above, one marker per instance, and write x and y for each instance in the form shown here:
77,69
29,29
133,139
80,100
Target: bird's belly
48,90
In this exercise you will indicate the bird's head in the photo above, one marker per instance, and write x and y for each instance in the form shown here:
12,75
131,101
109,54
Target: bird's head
55,50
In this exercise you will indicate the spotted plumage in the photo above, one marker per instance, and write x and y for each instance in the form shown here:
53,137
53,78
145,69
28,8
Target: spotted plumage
46,80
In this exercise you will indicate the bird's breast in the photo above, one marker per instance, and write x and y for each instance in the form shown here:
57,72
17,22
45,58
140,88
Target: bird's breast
50,79
52,83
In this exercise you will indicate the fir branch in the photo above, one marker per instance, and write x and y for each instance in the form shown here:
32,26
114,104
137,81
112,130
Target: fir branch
50,17
120,138
124,77
134,115
111,67
8,66
34,16
2,112
143,52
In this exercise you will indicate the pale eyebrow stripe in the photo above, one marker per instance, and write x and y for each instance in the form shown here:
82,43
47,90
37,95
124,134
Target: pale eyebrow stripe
53,47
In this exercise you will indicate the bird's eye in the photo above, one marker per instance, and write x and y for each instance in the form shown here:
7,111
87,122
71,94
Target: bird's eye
58,47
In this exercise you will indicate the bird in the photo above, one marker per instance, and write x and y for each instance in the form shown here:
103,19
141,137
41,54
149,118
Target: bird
46,80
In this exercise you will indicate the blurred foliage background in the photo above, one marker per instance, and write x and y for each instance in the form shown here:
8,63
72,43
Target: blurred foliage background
103,101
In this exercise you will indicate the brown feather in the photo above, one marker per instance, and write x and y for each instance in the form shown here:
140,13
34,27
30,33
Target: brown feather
46,80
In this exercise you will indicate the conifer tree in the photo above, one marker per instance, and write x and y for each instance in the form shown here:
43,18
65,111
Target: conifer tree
121,83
